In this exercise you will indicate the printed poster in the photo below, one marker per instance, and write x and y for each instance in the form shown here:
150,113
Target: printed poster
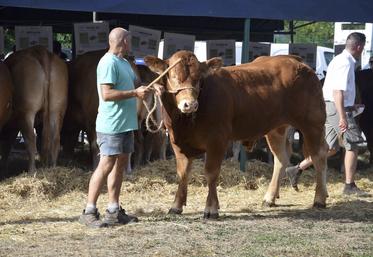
224,49
144,41
91,36
258,49
28,36
307,52
175,42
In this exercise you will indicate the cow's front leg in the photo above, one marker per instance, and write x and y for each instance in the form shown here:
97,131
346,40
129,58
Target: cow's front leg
214,158
183,166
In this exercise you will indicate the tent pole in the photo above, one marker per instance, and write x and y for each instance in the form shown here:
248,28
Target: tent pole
244,59
94,16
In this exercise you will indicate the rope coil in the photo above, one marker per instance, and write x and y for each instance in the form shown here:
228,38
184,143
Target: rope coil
149,116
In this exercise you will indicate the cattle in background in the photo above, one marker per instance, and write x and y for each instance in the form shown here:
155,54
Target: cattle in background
6,89
83,106
206,106
364,83
40,96
148,144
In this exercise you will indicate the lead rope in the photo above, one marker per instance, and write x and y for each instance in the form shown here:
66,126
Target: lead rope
149,116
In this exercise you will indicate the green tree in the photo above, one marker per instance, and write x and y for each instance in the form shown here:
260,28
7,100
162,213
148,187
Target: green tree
320,33
9,40
65,39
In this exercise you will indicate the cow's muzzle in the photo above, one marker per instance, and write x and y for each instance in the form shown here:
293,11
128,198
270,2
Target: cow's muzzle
188,106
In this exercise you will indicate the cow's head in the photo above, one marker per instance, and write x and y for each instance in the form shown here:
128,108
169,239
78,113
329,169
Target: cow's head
184,80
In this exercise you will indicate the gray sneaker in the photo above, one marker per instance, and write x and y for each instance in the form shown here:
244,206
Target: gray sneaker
92,220
352,189
293,173
119,217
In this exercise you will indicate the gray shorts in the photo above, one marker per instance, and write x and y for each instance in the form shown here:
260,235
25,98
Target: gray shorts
332,132
114,144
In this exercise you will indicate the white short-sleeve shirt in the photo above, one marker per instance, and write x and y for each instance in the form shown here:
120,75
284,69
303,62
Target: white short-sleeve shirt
341,76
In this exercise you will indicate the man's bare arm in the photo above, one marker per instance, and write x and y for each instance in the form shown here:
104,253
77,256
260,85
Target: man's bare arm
339,104
110,94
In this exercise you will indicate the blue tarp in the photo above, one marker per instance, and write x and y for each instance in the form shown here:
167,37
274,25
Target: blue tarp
308,10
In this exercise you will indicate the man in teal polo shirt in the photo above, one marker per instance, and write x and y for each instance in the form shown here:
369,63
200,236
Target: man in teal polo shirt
116,120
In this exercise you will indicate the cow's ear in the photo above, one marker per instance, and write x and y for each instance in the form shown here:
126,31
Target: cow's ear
155,64
215,63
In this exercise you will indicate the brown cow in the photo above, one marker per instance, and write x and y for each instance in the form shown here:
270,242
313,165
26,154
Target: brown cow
83,104
40,96
364,82
6,89
207,106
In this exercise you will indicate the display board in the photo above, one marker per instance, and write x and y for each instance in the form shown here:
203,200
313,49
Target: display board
90,36
144,41
28,36
308,52
174,42
225,49
258,49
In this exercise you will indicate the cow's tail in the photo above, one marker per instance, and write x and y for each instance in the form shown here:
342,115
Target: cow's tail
46,62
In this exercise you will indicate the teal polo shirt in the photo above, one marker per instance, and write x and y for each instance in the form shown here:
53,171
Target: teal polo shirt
121,115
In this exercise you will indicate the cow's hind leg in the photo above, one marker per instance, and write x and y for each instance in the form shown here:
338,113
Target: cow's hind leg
7,138
27,129
276,140
316,147
183,166
93,147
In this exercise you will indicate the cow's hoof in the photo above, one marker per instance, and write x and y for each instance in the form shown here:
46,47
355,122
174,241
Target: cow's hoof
175,211
319,205
212,216
268,204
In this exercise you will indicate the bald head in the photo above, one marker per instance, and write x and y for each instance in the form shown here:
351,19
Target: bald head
116,36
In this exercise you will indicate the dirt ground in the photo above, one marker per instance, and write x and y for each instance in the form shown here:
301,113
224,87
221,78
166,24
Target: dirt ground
39,213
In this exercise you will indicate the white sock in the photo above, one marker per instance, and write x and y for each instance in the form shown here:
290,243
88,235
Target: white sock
90,208
112,207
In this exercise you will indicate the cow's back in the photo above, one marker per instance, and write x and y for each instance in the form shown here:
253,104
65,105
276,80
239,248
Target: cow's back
281,84
6,89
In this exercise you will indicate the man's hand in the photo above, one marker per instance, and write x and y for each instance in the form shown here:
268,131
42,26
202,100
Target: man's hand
141,92
159,89
343,125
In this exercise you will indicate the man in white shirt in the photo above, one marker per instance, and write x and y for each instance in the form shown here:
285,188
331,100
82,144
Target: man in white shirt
340,127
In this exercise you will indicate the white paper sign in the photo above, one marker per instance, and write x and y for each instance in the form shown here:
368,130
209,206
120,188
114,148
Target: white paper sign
224,49
28,36
308,52
175,42
2,40
144,41
90,36
258,49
